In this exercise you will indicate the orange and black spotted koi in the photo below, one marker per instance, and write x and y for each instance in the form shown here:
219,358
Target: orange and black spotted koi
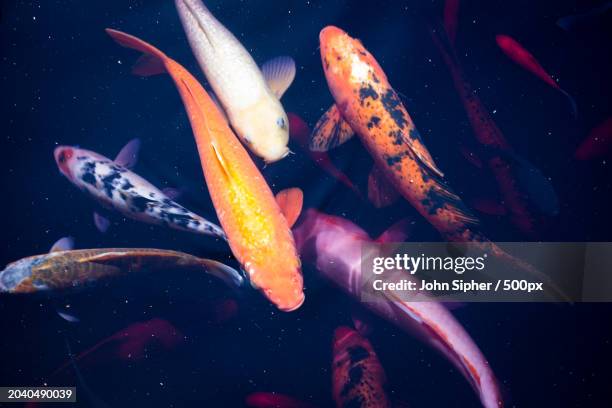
503,162
357,375
73,269
367,102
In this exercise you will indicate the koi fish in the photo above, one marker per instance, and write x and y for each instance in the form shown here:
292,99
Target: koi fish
250,96
517,53
334,246
274,400
598,143
358,378
499,156
367,105
64,268
451,14
258,234
115,187
130,343
300,132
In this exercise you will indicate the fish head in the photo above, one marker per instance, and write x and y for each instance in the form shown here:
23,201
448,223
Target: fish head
70,158
264,127
347,64
18,273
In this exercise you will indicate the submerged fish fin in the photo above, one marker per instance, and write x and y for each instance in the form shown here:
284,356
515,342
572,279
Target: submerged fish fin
397,232
330,131
128,155
572,102
290,202
63,244
279,73
102,223
153,60
227,274
534,184
220,159
381,192
70,318
172,193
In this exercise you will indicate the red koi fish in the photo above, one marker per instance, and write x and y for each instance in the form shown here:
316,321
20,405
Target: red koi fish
517,53
300,132
598,144
130,343
505,165
358,378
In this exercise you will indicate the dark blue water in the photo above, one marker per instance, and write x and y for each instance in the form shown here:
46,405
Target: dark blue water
64,81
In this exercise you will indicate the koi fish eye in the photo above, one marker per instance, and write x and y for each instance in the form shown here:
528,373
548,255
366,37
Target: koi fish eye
65,155
281,123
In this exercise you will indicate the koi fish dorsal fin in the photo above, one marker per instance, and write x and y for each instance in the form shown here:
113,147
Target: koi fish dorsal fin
330,131
381,192
128,156
290,202
63,244
151,63
279,73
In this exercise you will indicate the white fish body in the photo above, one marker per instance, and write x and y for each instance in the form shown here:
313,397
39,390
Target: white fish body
250,102
116,187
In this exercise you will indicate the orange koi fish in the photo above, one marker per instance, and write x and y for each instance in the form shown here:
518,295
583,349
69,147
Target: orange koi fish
258,234
367,105
358,376
372,109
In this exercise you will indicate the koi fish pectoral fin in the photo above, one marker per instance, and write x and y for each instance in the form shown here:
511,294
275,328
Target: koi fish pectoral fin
290,202
102,223
128,155
63,244
330,131
279,73
381,192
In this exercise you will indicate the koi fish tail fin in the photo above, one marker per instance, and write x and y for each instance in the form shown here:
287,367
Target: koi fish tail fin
525,266
152,62
451,201
572,102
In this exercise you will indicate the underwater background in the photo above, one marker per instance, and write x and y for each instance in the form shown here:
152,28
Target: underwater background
65,82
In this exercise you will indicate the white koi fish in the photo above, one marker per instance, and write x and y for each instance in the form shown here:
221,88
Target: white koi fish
250,96
115,187
334,245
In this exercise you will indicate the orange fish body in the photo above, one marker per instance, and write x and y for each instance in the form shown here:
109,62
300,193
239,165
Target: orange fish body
358,376
258,233
374,111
